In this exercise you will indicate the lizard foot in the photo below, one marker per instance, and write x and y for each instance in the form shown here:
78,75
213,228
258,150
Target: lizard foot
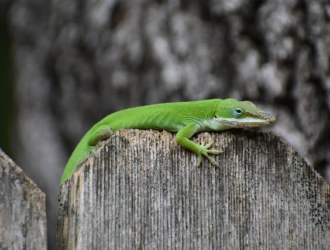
204,151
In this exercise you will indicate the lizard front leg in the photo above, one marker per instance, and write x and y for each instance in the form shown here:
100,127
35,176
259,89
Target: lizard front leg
182,138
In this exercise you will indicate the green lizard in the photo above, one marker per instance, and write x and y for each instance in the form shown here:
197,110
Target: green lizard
185,118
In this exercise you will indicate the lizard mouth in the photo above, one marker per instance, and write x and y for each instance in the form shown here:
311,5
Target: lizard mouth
272,120
248,122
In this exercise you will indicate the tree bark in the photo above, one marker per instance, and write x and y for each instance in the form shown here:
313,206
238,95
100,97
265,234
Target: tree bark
78,61
140,190
22,209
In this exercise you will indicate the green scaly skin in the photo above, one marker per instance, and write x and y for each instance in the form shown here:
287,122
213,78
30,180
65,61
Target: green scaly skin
185,118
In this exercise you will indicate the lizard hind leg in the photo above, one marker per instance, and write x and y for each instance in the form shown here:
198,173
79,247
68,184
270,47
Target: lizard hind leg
99,134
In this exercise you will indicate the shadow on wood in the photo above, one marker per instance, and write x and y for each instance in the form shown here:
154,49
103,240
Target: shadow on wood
143,191
22,209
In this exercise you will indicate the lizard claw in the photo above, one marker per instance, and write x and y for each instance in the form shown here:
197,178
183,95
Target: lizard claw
207,145
204,151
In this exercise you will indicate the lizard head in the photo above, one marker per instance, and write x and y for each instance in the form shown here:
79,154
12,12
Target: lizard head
231,113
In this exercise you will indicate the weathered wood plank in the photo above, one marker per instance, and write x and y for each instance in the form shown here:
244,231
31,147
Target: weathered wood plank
22,209
143,191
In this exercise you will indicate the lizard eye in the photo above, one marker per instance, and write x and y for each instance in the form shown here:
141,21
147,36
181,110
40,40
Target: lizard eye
216,117
238,112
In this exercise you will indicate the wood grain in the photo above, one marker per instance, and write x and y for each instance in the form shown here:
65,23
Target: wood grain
22,209
142,191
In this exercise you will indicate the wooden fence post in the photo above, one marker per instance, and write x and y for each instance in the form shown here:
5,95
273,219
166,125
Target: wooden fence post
143,191
22,209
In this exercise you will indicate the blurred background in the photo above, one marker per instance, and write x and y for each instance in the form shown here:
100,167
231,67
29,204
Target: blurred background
66,64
